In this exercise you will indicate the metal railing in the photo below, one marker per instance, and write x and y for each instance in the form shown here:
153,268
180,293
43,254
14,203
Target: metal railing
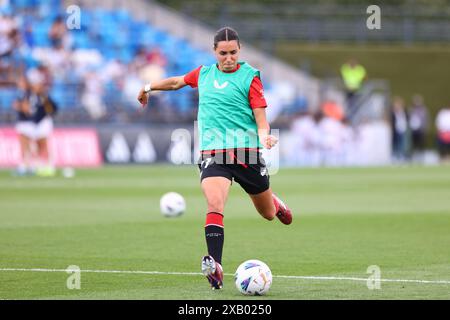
370,103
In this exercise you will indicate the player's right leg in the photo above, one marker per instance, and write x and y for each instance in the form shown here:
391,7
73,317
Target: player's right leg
213,272
215,190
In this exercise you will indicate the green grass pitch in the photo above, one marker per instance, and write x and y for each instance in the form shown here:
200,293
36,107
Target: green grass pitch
345,220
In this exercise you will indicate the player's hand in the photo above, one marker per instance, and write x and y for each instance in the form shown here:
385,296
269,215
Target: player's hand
268,141
143,98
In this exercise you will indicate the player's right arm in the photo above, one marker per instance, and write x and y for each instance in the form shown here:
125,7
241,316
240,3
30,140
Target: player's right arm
173,83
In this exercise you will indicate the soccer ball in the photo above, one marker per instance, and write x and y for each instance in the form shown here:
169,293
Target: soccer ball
172,204
253,277
68,172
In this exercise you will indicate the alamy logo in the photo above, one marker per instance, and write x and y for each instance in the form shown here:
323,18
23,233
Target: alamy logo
220,86
374,20
374,280
74,19
74,280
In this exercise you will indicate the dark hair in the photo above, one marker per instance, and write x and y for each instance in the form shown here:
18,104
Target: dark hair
226,34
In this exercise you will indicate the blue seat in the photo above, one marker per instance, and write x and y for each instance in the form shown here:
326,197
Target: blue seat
23,4
126,56
117,35
122,16
40,33
81,40
7,98
58,95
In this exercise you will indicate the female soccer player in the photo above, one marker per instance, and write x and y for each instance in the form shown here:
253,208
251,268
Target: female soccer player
232,129
44,110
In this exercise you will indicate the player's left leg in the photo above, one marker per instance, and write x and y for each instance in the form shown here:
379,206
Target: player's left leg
264,204
270,206
46,169
44,130
253,177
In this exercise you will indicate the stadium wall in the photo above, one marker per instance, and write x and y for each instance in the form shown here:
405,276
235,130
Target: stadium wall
143,145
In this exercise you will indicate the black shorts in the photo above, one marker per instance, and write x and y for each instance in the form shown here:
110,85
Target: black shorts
247,168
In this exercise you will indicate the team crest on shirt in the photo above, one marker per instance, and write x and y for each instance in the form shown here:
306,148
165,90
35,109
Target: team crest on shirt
220,86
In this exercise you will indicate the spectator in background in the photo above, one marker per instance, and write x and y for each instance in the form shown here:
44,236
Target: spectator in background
57,59
141,58
304,150
8,35
353,74
152,71
155,56
418,122
145,57
332,109
58,33
349,136
331,145
9,42
443,132
399,121
92,95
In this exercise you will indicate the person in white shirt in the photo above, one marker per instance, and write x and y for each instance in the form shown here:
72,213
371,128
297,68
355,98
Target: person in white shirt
443,132
400,130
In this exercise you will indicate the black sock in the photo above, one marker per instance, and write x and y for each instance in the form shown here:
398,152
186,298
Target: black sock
214,234
214,240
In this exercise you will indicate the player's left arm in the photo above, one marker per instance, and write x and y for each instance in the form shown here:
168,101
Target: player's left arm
267,140
258,104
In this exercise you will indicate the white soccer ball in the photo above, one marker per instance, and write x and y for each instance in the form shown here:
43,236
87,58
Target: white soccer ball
253,277
172,204
68,172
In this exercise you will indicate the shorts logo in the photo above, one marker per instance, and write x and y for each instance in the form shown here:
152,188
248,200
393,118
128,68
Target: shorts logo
263,171
206,163
220,86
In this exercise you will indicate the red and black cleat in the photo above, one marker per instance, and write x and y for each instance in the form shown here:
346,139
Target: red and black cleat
283,212
213,272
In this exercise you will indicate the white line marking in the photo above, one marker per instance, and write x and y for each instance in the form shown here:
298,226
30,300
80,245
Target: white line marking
227,274
364,279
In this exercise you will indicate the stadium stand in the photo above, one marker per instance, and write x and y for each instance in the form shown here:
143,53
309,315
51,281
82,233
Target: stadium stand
98,58
99,65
